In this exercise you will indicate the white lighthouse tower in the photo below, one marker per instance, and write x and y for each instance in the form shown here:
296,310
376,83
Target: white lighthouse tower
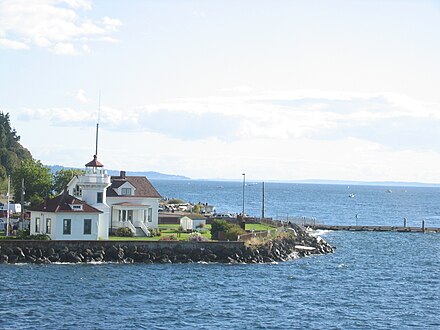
93,185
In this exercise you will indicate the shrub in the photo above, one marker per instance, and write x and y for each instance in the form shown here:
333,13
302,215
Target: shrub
175,201
232,233
168,238
218,226
39,237
124,232
196,237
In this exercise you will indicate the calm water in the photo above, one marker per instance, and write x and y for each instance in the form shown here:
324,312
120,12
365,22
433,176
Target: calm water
327,203
373,281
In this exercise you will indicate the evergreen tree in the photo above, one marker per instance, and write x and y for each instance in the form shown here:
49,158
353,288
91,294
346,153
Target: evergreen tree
11,151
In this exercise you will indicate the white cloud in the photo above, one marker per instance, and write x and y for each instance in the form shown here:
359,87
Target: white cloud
81,96
378,118
86,49
54,24
12,44
111,23
63,48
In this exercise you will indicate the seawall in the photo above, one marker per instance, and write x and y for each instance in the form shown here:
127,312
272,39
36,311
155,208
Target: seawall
293,244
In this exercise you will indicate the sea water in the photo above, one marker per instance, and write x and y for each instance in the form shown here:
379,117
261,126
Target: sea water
374,280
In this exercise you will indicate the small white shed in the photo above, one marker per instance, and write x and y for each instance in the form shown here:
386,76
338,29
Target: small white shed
191,224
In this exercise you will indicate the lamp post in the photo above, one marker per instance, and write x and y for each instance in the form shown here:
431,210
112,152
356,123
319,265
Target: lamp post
244,183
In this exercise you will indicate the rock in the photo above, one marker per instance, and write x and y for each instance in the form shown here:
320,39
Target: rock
4,259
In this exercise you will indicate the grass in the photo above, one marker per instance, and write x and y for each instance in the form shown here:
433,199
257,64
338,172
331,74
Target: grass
258,227
167,230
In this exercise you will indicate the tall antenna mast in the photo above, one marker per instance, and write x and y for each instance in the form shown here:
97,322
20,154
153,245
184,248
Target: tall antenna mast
97,124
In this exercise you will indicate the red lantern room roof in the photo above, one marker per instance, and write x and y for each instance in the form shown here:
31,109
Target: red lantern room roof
94,163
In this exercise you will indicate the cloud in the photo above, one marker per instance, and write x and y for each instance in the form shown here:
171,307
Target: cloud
12,44
81,96
57,25
111,23
63,48
391,120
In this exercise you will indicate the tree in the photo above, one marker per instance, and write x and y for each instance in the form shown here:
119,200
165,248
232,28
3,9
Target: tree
62,178
37,181
11,151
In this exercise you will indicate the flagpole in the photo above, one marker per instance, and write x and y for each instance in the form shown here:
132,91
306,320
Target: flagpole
7,208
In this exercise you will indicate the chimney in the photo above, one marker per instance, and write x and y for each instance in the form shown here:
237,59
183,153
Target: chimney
122,174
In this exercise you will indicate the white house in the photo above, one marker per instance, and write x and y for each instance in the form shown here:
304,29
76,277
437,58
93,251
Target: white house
116,201
126,201
134,203
67,218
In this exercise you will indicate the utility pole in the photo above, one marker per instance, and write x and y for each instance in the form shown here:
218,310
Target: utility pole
7,206
244,183
262,210
22,203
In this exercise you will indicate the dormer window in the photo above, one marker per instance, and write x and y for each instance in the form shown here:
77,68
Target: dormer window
126,191
77,191
77,207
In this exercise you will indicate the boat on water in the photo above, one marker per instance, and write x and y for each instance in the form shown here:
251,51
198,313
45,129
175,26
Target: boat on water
351,195
389,191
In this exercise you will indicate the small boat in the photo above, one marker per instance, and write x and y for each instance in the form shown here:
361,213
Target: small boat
351,195
389,191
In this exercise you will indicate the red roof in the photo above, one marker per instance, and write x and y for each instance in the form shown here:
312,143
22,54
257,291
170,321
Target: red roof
62,203
144,188
94,162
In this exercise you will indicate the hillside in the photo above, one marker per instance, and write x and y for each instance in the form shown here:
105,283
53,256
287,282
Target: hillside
151,175
11,151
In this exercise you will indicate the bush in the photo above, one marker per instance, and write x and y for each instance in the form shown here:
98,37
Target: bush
196,237
218,226
39,237
175,201
124,232
168,238
232,233
154,232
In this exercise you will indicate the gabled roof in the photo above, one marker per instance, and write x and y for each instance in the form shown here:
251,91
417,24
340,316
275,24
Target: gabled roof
94,162
143,187
61,203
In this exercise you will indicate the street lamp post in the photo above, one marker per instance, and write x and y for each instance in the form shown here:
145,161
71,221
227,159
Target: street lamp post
244,183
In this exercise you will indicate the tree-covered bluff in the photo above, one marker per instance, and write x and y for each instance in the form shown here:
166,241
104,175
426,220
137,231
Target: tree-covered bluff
12,153
16,161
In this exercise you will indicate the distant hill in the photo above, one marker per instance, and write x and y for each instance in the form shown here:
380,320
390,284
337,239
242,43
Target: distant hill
151,175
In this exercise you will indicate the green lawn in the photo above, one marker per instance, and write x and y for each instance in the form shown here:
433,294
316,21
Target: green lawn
258,226
167,230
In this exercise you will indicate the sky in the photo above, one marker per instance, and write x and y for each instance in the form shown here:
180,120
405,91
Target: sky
279,90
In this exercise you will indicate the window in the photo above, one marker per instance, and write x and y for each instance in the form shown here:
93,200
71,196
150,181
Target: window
87,226
67,226
37,225
77,192
99,196
48,226
77,207
126,191
145,215
130,215
150,215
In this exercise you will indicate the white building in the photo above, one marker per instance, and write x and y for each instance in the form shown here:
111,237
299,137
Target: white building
67,218
188,223
119,201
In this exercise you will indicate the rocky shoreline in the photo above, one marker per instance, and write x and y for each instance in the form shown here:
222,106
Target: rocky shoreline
295,243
